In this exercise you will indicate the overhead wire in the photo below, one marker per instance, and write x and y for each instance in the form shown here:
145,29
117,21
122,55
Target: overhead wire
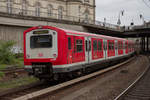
146,3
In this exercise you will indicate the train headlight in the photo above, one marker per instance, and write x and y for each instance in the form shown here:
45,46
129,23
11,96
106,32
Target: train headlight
54,55
28,56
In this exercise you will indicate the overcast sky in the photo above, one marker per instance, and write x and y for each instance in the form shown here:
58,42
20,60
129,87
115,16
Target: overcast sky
110,9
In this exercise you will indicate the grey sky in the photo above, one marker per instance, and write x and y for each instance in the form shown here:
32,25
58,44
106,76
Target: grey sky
109,9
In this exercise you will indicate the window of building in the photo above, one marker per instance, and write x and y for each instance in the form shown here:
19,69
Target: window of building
79,45
60,12
37,9
86,0
50,10
86,17
95,45
24,7
9,6
99,45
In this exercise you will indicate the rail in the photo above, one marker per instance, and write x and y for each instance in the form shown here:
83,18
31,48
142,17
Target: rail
126,91
48,90
40,14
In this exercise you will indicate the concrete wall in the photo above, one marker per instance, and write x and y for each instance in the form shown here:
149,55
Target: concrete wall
12,33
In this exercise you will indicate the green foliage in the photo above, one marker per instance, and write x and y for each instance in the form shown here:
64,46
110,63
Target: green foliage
2,74
4,85
6,56
19,62
3,66
19,55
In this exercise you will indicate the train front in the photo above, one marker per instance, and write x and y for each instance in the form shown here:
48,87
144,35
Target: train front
40,51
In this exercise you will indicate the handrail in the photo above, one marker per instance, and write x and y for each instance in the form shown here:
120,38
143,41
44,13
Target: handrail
22,12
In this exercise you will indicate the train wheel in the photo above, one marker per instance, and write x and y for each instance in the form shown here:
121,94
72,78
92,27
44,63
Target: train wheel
56,77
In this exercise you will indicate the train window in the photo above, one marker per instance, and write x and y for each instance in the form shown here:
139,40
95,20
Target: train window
99,45
86,43
89,45
116,45
129,46
126,45
111,45
79,45
95,45
69,43
105,45
41,41
120,46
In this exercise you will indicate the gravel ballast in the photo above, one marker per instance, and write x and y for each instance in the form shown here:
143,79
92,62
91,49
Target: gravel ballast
106,86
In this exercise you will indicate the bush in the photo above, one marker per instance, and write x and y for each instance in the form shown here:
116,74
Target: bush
3,66
19,62
19,55
2,74
6,56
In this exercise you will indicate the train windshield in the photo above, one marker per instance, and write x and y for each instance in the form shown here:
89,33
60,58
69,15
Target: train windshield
41,41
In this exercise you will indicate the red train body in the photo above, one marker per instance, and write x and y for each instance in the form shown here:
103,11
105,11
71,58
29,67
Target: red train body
49,50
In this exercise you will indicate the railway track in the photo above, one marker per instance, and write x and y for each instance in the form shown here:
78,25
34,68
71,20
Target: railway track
139,89
13,70
22,90
34,92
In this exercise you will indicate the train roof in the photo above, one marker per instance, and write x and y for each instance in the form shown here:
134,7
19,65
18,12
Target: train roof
91,34
78,33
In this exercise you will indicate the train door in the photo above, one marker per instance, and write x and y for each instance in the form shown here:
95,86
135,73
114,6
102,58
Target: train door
100,48
70,53
120,47
105,48
116,47
79,54
111,48
87,49
126,47
94,49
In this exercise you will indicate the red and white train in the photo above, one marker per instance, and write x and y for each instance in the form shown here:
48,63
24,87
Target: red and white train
50,51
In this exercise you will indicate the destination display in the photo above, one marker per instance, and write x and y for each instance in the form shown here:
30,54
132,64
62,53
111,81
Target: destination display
41,32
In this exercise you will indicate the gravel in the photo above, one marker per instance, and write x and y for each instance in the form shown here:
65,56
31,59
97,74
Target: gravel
106,86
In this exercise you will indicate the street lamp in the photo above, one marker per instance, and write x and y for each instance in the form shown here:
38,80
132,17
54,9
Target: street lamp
104,22
79,13
141,17
132,23
120,13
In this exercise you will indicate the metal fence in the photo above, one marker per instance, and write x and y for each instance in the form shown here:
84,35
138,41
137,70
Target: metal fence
21,12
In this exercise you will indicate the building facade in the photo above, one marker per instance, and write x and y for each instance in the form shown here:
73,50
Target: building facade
18,15
73,10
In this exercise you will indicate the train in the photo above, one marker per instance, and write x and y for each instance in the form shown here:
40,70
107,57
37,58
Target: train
51,52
